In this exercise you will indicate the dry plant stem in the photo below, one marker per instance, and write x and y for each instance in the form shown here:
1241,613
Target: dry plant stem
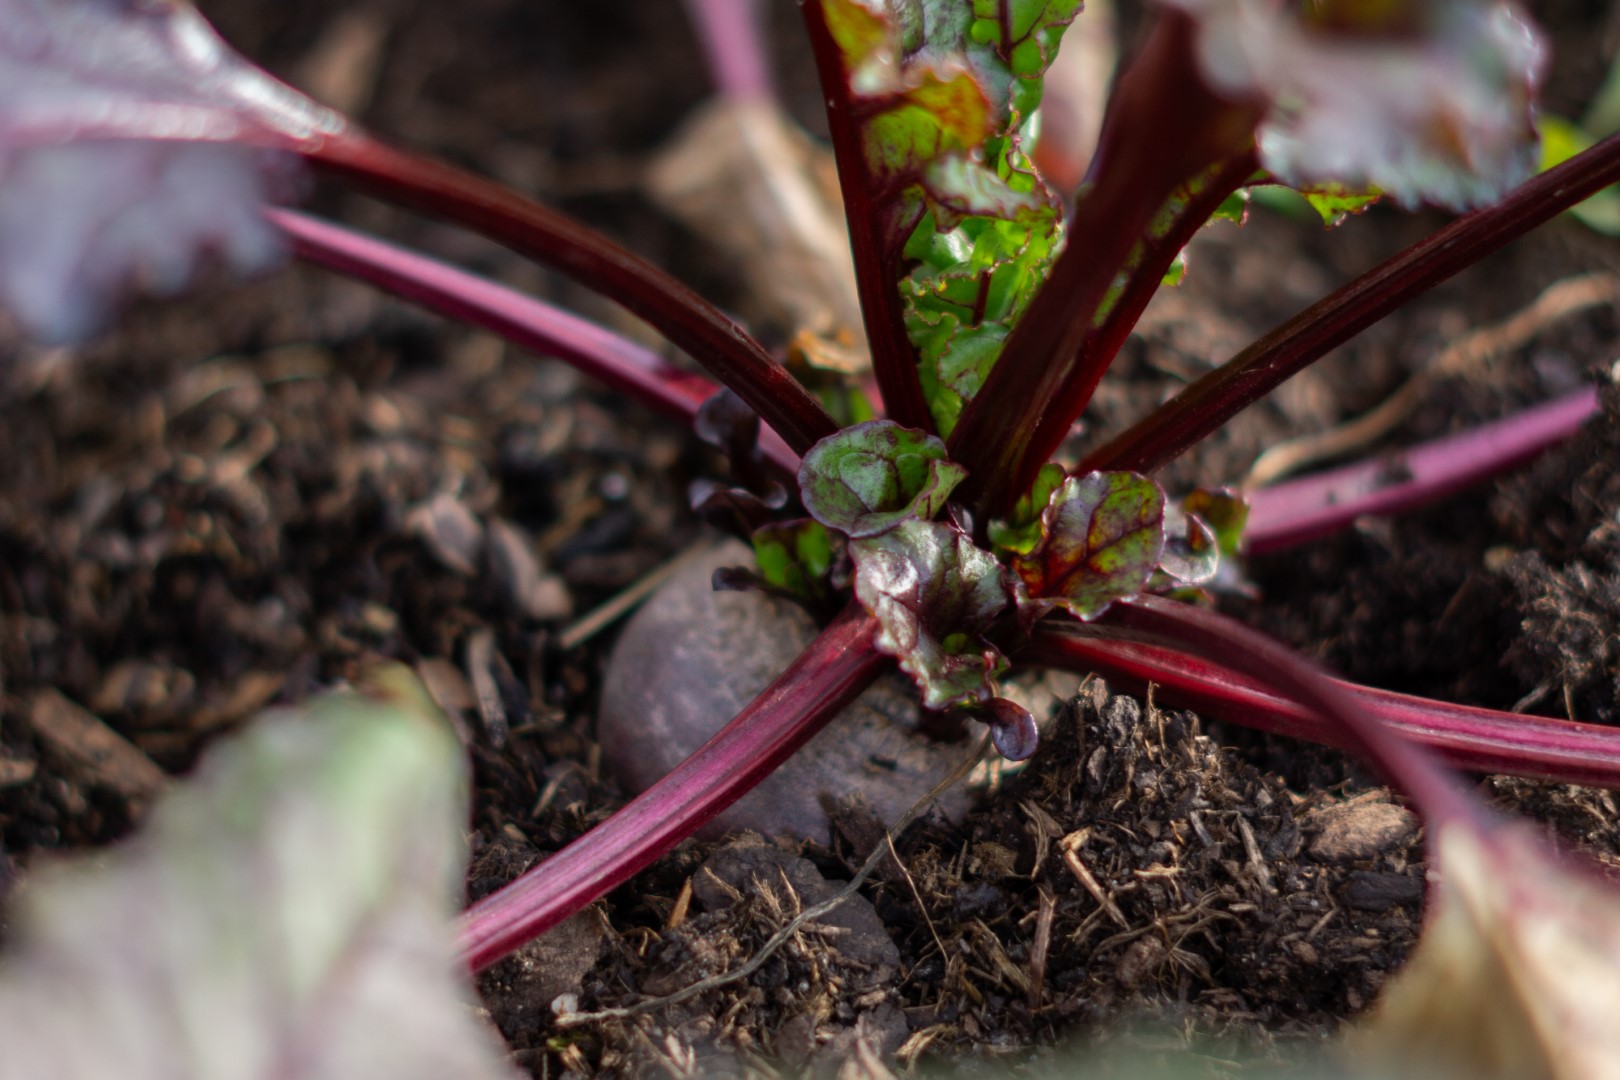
839,664
1151,620
1045,375
1203,407
877,265
1558,301
691,323
1479,740
1313,506
638,373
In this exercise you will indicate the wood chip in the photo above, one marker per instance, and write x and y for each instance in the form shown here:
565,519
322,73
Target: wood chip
91,751
481,661
1070,846
450,531
14,771
522,580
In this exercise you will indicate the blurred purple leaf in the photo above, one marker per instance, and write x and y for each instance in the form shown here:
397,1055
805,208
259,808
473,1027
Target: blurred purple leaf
133,142
1518,970
1427,100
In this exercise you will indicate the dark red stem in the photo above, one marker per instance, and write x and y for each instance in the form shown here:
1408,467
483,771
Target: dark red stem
1480,740
827,676
1104,342
1313,506
638,373
1163,128
877,263
722,347
1203,407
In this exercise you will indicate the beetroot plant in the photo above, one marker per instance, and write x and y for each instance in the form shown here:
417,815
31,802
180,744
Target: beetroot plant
943,536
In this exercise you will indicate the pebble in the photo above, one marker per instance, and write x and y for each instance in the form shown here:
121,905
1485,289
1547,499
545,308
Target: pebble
1359,831
692,658
750,864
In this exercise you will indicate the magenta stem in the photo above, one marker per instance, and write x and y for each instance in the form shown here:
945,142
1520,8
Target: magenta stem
733,39
718,344
636,372
1479,740
839,664
1300,510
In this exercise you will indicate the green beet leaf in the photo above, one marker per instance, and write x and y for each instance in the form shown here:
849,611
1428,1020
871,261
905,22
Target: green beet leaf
871,477
287,911
795,557
1226,513
948,91
933,595
1335,202
1102,538
1020,531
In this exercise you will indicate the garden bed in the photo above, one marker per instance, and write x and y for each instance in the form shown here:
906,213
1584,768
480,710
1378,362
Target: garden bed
242,498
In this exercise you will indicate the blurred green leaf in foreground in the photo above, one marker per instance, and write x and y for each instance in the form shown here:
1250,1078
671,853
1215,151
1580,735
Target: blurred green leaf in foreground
287,913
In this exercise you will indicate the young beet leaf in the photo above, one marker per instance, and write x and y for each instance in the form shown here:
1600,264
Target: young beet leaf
933,595
931,105
1102,536
932,592
869,478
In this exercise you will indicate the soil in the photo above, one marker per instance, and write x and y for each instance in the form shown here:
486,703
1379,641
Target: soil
244,497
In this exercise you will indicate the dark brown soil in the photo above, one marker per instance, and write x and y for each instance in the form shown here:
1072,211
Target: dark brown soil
242,498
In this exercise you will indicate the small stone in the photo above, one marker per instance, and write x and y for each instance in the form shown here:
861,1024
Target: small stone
748,865
521,579
450,531
692,658
1360,831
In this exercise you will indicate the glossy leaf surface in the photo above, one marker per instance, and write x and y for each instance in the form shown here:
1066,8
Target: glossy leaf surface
871,477
933,595
1012,728
1102,538
1191,555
